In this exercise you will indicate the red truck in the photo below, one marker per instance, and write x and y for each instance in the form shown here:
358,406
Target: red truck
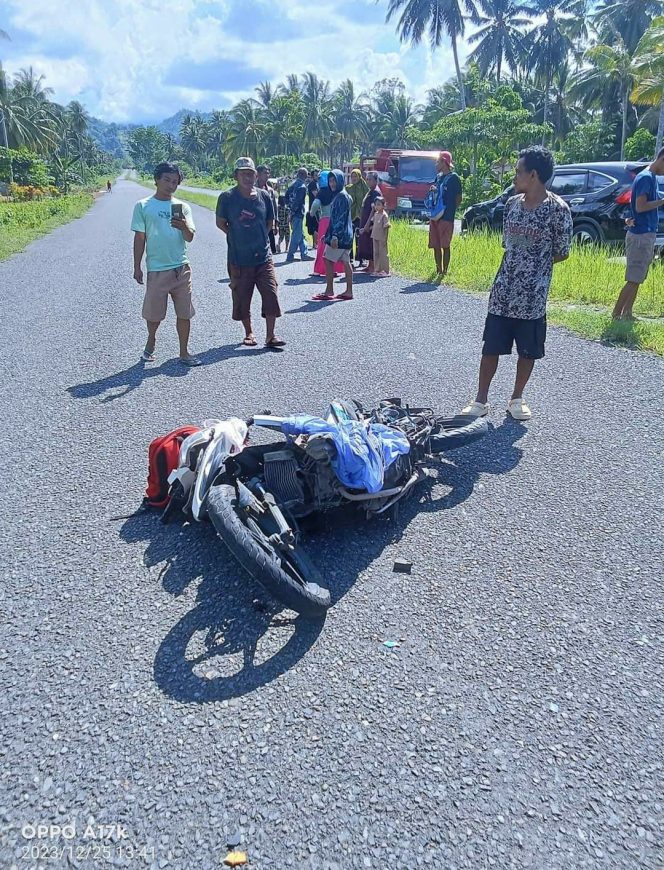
405,179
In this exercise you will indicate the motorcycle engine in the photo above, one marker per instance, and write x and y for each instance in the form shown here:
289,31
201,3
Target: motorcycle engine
323,482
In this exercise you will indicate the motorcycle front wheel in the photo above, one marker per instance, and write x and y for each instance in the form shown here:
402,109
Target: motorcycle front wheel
288,575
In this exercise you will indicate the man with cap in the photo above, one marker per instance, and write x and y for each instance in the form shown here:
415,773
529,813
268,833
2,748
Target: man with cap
246,215
447,186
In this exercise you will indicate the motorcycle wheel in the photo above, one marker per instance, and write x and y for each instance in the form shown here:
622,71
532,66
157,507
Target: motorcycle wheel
453,432
291,578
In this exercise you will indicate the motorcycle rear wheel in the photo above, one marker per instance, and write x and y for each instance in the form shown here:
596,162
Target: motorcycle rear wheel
291,578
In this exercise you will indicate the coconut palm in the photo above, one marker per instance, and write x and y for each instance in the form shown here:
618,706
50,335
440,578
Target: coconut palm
266,93
549,44
399,120
31,86
350,117
627,19
23,121
609,65
649,70
317,107
500,35
245,132
440,18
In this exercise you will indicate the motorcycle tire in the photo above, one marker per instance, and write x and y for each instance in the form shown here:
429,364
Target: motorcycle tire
454,432
308,597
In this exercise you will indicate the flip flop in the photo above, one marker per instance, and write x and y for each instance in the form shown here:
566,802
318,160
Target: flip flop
249,342
275,342
343,298
190,361
321,297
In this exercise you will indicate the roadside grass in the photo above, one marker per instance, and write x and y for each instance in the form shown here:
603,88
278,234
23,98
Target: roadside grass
203,199
23,222
583,291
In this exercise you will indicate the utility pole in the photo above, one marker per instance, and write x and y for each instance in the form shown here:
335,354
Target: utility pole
3,128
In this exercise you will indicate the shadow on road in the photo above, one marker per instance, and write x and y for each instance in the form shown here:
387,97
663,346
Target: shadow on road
129,379
235,638
421,287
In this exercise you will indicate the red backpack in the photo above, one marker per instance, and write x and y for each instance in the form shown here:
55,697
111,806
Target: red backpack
163,455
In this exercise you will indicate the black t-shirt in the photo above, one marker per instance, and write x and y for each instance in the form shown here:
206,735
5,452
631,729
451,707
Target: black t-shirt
248,240
312,190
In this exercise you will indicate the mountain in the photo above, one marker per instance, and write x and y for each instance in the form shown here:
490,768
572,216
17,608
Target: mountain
111,137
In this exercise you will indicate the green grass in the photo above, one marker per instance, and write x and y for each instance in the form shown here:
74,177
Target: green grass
23,222
583,291
203,199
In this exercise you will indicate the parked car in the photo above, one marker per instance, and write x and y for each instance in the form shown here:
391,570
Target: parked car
598,195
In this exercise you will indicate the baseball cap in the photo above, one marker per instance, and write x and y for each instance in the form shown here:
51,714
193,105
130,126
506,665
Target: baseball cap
244,163
447,157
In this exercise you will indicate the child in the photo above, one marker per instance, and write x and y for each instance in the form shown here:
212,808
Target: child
283,222
379,234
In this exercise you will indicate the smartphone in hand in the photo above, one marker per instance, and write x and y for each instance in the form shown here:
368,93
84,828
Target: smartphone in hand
176,211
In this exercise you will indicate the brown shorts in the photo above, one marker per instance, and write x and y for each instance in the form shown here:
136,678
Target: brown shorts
243,281
640,251
440,233
175,283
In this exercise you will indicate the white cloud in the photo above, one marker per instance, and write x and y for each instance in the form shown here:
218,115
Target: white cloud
134,60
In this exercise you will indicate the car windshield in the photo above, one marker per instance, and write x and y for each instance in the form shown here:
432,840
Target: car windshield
422,169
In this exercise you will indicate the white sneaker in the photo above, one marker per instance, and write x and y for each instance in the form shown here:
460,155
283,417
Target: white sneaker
518,409
476,409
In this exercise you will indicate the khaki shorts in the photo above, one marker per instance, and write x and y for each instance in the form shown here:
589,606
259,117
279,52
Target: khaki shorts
336,255
440,234
243,281
640,251
175,283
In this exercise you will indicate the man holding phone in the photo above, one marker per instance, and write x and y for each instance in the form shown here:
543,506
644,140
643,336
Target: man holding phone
164,225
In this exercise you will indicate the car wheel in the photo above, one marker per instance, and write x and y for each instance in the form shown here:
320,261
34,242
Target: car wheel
587,234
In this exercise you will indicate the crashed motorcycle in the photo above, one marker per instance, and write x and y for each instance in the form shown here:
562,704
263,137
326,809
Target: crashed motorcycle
258,496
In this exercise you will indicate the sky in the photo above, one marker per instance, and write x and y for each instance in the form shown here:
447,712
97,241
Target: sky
142,60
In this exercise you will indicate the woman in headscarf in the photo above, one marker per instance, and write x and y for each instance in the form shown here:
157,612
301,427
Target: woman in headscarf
358,189
365,246
324,199
338,238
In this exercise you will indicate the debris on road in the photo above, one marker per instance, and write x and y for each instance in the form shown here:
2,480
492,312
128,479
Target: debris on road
401,566
235,859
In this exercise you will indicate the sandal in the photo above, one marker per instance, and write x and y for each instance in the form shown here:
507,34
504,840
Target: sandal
275,342
249,341
476,409
518,409
343,298
321,297
148,355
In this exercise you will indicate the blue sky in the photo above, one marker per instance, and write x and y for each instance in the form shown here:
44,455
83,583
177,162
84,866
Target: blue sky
142,60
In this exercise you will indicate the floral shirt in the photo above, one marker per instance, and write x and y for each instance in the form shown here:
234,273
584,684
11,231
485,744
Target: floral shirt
531,238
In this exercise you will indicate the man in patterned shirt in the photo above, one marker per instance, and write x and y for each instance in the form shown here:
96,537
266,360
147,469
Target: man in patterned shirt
537,232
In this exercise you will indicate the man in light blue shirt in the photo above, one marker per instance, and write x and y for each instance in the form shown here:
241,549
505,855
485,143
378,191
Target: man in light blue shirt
164,225
641,235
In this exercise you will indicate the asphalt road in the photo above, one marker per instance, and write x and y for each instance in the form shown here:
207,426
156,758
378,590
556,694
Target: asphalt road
518,721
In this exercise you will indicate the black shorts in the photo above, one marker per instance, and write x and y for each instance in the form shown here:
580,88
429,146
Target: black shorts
500,333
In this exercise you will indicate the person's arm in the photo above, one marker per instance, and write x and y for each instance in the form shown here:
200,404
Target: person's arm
139,250
644,205
562,234
269,212
459,192
221,216
301,196
182,225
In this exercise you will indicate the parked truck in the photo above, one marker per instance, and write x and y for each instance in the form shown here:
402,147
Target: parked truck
405,179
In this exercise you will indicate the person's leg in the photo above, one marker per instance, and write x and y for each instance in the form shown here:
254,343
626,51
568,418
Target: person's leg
155,302
248,329
303,242
296,234
625,300
329,277
348,272
435,246
242,289
438,259
183,328
488,368
153,326
273,242
524,369
376,256
446,260
266,284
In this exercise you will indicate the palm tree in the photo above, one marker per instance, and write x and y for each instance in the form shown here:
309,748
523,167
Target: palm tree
195,138
649,70
440,18
351,117
266,93
24,122
217,129
549,44
31,86
627,19
245,132
291,87
317,106
609,65
500,36
398,122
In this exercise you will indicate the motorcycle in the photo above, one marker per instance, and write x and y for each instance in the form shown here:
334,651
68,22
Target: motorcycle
257,496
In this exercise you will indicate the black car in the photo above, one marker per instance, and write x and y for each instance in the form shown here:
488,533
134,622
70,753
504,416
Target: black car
598,195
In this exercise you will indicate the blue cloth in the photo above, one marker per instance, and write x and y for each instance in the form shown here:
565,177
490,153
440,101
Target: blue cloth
645,183
341,224
295,197
363,453
449,190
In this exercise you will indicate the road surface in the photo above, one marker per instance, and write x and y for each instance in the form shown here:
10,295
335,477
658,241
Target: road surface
517,723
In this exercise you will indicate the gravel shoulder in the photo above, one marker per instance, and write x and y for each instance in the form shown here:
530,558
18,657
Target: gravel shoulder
518,722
